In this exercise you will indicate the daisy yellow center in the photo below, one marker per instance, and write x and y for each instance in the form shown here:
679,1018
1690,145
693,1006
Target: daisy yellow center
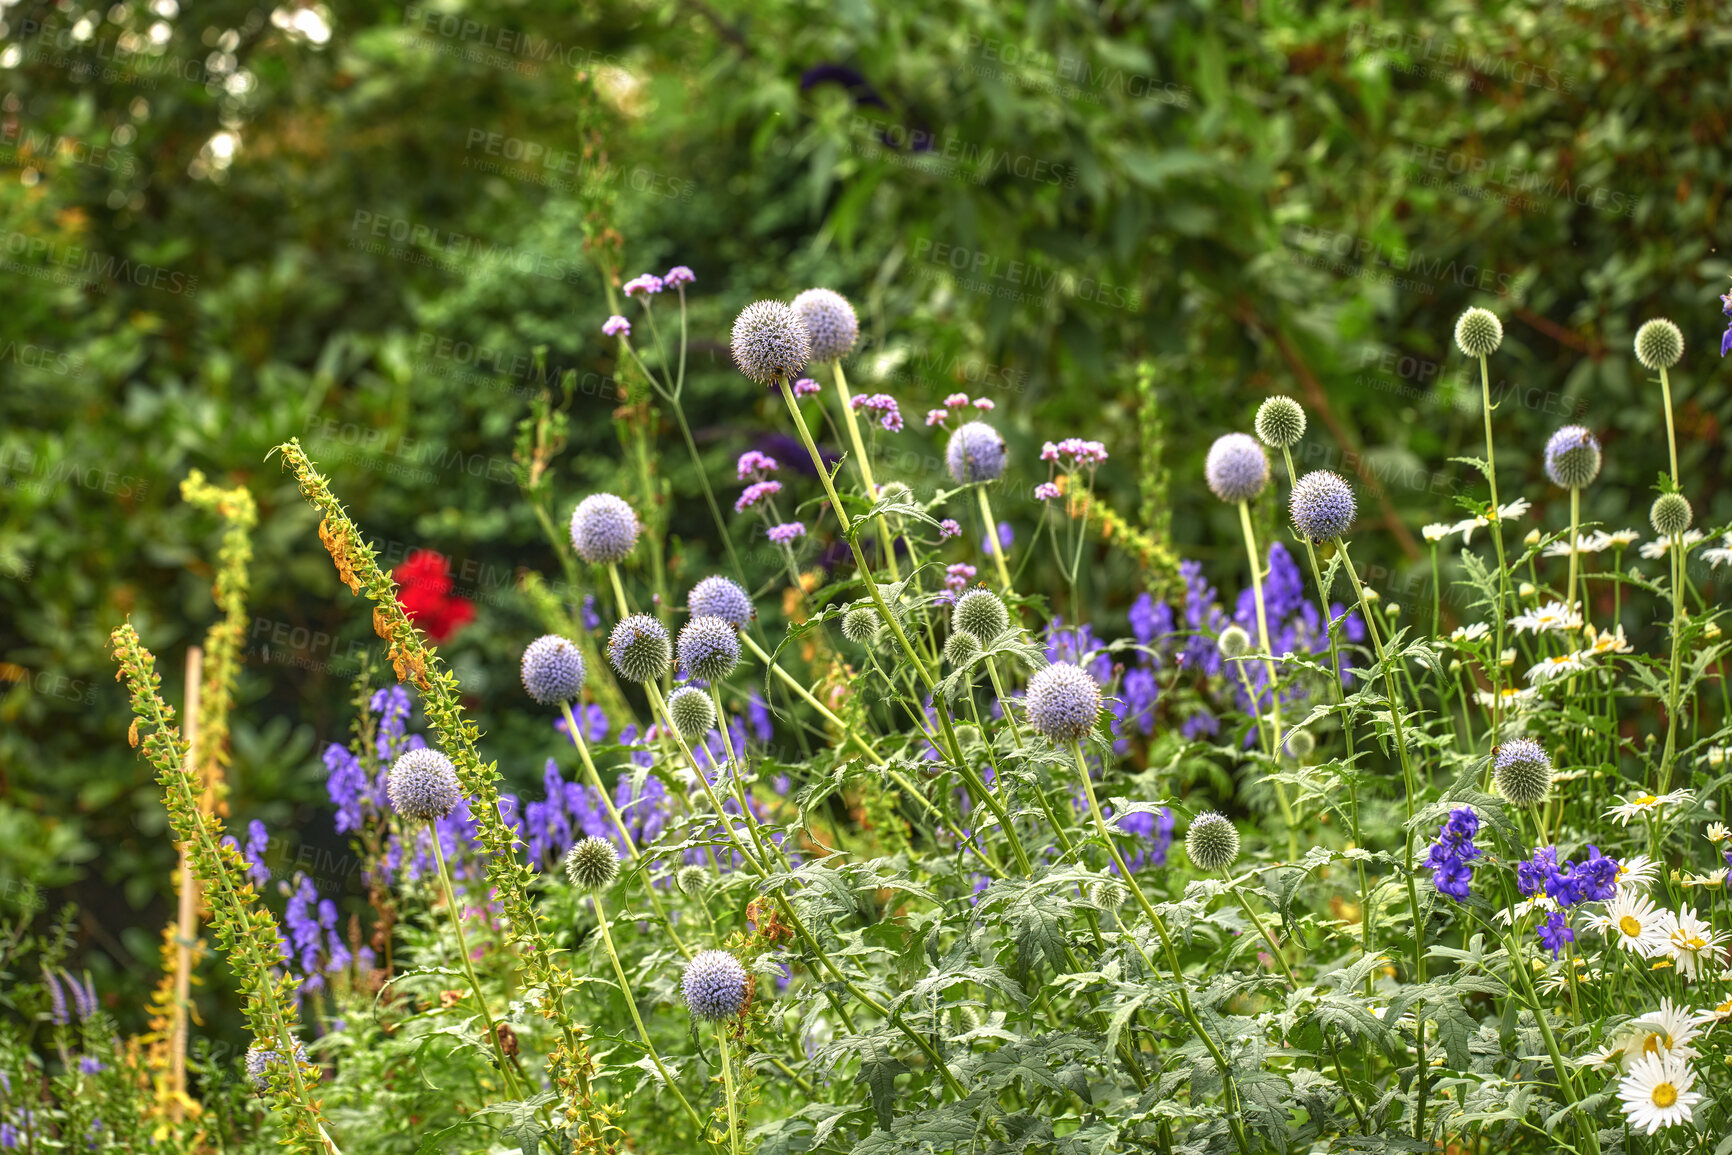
1646,800
1630,925
1652,1044
1665,1095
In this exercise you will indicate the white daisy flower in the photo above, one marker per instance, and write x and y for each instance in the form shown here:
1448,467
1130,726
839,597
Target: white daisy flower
1436,531
1668,1031
1511,697
1549,668
1636,874
1585,543
1549,617
1693,943
1716,755
1717,832
1634,923
1643,805
1716,1014
1539,903
1623,539
1661,546
1469,633
1607,642
1656,1093
1721,555
1514,509
1712,878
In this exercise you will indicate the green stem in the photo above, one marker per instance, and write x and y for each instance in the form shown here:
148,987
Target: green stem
728,1089
1269,668
1672,703
865,464
468,967
996,546
1671,436
637,1019
1497,540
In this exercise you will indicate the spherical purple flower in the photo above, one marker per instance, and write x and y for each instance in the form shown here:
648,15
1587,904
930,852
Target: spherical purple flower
1237,468
976,453
709,648
646,284
639,648
1523,771
553,670
720,597
830,323
715,985
616,326
1572,457
769,342
679,275
1063,702
1322,506
787,532
604,529
422,785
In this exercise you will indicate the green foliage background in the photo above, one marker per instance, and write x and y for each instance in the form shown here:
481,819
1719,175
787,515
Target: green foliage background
1025,200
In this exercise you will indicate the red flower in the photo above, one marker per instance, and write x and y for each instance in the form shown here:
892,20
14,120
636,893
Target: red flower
423,590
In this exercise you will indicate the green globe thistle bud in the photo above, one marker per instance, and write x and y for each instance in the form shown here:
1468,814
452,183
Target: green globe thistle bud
1301,744
592,864
862,625
692,880
1280,422
1212,843
1478,332
1234,642
1671,514
1523,772
964,1019
982,613
1107,894
692,712
961,649
1659,344
895,491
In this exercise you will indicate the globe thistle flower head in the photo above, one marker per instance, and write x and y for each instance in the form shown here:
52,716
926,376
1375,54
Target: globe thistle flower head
1234,642
1213,843
553,670
1572,457
692,712
1237,468
592,864
639,648
976,453
1280,422
1659,344
1322,506
693,880
769,342
1063,702
1300,744
895,491
960,649
1523,772
715,986
604,529
720,597
1478,332
260,1059
1107,894
709,648
831,326
982,613
861,625
1670,514
422,785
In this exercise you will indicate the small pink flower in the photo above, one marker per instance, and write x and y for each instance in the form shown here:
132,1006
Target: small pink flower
805,387
936,416
616,326
756,492
786,532
956,401
984,403
752,462
648,283
949,528
958,576
1045,491
679,275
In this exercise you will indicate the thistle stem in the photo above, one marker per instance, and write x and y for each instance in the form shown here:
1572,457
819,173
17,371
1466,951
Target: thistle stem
1497,541
864,461
994,545
1269,668
728,1089
1672,703
469,967
1671,436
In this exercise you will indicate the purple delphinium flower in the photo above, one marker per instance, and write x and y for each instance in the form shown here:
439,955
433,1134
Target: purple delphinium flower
1005,538
591,619
1555,932
90,1065
758,715
787,532
1567,883
56,998
616,326
1726,339
1452,852
258,840
345,782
